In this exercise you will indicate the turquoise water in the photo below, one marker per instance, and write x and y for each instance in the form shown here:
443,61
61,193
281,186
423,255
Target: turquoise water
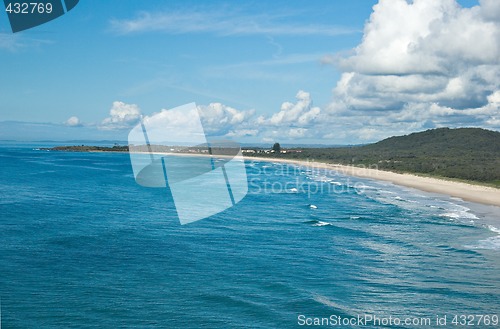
83,246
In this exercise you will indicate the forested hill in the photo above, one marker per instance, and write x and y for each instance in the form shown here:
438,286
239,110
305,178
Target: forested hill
463,153
460,141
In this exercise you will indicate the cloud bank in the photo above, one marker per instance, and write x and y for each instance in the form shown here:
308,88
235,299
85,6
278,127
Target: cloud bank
422,64
217,119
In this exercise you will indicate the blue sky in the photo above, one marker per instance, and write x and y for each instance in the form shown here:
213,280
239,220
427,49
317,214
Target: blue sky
297,71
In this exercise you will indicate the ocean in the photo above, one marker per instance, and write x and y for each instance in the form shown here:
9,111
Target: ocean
84,246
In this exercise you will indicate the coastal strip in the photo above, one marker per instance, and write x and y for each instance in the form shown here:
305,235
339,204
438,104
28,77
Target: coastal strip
465,191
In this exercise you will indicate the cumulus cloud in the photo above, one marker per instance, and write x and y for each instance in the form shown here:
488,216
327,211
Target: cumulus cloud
73,122
301,113
421,64
425,36
216,120
121,116
175,126
219,119
295,121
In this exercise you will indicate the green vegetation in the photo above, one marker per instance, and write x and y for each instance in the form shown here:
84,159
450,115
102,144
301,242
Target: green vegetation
277,148
471,154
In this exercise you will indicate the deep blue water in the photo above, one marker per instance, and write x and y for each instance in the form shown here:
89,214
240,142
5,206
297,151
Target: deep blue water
84,246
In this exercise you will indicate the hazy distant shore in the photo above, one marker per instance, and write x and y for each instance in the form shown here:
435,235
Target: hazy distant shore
468,192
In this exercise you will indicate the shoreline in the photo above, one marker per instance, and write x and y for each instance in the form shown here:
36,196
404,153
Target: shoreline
468,192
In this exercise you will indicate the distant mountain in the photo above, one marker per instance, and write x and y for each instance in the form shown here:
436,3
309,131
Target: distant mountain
462,153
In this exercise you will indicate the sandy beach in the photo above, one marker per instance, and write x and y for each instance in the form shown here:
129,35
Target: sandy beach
468,192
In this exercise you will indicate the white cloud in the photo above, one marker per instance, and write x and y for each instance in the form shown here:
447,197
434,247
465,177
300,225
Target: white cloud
220,22
297,132
295,122
424,36
73,122
301,113
421,64
490,9
179,125
122,116
242,133
219,119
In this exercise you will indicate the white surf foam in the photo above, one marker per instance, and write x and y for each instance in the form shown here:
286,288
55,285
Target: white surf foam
492,243
494,229
450,215
459,212
320,223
